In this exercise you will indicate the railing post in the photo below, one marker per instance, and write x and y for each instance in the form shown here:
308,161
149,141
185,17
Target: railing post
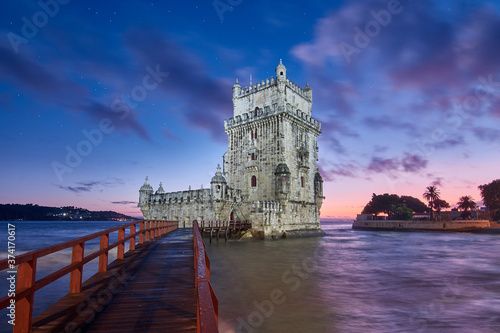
103,258
121,248
75,278
151,232
24,307
131,246
148,227
141,235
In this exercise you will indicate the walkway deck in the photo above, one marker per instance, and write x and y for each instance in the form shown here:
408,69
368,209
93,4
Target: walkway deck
156,293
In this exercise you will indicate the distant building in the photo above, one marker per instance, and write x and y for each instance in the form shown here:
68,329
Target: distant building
270,175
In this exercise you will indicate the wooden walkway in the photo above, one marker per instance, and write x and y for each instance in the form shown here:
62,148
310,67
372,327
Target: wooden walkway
162,295
151,293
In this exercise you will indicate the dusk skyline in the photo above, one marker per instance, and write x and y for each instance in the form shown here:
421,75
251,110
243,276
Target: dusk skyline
97,96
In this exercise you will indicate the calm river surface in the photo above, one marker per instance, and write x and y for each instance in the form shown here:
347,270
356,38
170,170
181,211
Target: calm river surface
348,281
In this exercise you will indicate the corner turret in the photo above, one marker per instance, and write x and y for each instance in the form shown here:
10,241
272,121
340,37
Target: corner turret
145,193
282,183
281,72
236,89
318,190
160,190
218,185
308,92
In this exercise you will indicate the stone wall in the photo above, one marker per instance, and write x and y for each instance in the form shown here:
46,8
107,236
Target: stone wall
457,225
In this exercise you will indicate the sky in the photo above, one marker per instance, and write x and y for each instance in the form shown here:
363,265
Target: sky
97,95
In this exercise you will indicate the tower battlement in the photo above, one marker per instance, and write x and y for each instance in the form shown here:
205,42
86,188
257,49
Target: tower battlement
269,110
268,83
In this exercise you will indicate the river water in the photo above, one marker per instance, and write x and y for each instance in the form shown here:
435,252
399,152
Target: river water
359,281
32,235
348,281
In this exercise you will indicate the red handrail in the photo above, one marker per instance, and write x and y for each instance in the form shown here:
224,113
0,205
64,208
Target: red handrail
26,285
207,305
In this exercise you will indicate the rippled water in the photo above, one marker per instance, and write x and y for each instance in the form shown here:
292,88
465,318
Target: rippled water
359,281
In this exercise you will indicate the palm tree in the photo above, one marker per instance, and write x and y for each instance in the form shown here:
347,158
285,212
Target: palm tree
431,194
440,204
466,202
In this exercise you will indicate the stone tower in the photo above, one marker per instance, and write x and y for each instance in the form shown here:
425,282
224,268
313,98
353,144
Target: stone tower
270,173
272,155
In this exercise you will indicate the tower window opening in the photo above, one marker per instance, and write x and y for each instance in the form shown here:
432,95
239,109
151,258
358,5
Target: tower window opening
255,136
217,188
254,181
255,112
283,178
302,181
281,73
253,157
251,134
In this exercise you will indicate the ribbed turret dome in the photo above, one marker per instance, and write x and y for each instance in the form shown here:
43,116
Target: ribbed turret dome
146,187
218,178
280,67
160,190
281,72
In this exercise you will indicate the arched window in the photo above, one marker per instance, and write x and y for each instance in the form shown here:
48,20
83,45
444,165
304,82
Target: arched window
255,134
253,157
254,181
217,188
251,134
255,111
302,181
283,178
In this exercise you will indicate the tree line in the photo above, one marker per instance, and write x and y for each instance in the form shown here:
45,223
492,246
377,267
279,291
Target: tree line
404,207
30,212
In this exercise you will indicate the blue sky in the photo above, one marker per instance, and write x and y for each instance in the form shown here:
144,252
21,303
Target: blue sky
95,96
